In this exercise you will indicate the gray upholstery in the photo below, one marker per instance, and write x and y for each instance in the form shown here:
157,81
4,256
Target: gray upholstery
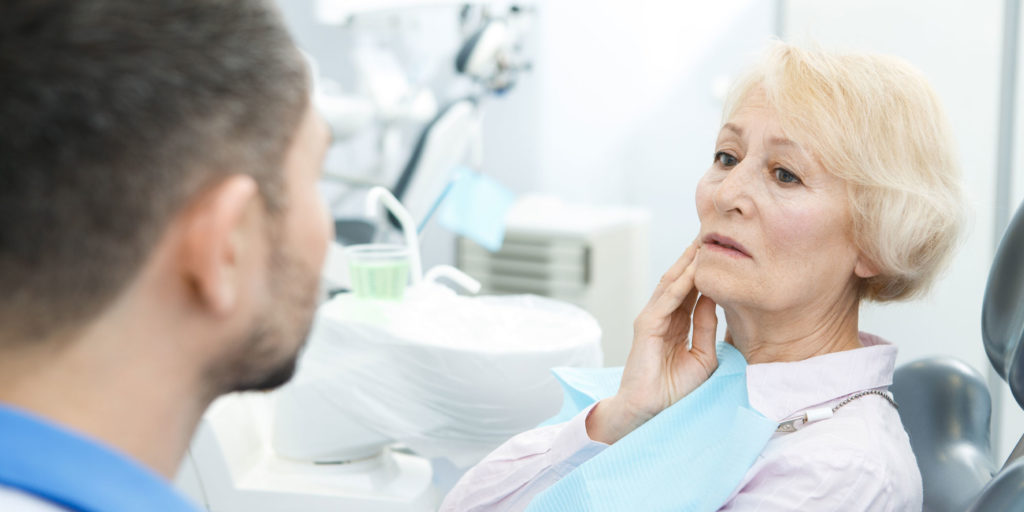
1002,315
1002,327
1004,493
945,406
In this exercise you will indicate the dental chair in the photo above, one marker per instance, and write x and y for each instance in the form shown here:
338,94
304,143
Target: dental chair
946,408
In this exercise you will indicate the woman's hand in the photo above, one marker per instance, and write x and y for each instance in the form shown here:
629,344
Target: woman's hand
661,368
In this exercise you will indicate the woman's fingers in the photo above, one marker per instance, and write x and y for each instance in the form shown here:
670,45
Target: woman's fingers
705,327
676,294
675,271
686,307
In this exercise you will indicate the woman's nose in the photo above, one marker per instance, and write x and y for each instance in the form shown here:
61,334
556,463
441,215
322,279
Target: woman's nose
734,194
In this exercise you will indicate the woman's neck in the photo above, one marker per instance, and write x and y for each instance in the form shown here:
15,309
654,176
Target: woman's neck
796,334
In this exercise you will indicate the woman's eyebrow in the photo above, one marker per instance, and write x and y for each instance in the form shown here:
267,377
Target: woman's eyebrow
782,141
774,141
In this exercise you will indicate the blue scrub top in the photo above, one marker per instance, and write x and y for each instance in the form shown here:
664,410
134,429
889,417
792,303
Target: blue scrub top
49,461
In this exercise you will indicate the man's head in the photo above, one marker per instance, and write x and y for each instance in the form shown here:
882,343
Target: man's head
132,131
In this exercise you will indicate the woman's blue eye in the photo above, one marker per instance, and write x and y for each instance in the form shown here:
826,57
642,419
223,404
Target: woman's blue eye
785,176
726,159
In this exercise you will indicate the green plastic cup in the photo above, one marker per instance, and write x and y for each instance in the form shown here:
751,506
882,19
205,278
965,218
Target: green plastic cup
378,271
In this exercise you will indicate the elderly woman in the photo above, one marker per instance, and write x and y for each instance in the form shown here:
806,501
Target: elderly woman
833,181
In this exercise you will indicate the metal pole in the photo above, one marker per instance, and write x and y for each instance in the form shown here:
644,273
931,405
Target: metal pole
1004,173
1007,113
780,19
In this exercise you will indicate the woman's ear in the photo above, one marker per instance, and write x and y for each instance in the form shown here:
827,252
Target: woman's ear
865,268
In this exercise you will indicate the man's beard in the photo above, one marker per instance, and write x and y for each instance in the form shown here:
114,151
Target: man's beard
266,358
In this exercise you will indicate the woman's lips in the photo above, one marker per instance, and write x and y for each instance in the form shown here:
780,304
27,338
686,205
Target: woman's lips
725,245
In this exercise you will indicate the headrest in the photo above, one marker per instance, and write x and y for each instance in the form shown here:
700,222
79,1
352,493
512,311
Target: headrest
1002,314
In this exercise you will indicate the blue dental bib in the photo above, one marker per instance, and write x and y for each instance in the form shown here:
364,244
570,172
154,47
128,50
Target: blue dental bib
690,457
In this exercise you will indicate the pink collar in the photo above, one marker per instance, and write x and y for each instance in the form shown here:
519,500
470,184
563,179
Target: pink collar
780,390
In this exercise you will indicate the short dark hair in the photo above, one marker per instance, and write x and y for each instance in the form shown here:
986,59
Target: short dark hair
113,115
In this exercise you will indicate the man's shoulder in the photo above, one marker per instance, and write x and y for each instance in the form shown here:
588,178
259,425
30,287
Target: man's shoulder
14,500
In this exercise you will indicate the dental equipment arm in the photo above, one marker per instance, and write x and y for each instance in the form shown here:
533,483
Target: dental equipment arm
380,195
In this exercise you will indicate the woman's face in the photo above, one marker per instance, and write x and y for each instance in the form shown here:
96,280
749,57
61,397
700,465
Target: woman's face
775,226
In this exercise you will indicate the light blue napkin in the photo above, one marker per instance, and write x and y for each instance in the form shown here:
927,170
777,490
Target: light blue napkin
582,387
475,207
690,457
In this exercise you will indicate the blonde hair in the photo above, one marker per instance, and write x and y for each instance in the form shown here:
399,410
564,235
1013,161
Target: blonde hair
874,122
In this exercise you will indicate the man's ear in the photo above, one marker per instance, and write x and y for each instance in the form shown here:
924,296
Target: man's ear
865,268
217,232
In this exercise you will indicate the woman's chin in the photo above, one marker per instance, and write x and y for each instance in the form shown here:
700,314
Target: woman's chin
712,286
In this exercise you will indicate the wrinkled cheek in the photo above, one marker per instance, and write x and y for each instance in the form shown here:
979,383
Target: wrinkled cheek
803,230
811,240
704,198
